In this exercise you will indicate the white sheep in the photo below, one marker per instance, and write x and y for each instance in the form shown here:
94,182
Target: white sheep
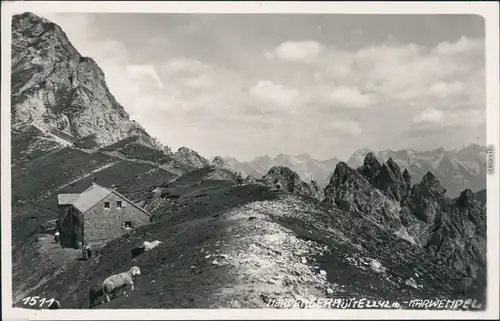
148,246
116,281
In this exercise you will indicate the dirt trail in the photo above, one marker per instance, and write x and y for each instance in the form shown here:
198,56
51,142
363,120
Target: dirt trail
55,258
54,252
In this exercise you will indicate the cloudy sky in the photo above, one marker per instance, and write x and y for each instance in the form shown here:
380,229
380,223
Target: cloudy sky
247,85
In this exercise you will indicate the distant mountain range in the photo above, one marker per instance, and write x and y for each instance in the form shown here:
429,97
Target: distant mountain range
456,169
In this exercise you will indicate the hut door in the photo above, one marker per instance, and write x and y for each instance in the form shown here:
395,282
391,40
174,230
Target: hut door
82,223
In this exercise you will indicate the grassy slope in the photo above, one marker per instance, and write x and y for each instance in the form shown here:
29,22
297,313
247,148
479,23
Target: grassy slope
36,179
131,148
35,185
258,238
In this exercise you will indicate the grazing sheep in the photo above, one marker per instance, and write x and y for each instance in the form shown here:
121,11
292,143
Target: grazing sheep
114,282
136,251
148,246
95,292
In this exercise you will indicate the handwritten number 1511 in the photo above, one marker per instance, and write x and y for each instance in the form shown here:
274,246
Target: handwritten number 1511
36,299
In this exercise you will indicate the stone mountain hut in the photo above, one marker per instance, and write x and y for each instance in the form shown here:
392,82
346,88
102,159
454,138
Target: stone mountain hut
96,216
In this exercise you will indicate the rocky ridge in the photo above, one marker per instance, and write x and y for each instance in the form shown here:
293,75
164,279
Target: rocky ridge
451,229
190,157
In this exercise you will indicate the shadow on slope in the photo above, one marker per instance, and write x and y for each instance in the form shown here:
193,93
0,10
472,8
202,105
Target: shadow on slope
133,180
43,176
203,193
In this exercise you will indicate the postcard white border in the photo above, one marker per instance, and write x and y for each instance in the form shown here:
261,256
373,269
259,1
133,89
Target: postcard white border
488,10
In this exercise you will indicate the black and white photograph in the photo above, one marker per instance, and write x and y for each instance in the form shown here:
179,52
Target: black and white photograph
251,157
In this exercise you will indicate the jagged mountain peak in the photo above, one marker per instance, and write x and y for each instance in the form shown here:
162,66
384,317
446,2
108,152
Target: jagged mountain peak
371,160
422,215
342,174
473,148
264,157
219,162
304,156
341,170
370,168
430,180
407,177
357,158
466,198
57,89
439,149
392,164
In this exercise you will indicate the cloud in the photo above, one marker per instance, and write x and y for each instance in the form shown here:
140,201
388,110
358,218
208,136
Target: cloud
201,81
429,115
273,91
183,65
347,97
144,73
347,127
431,121
296,51
463,45
269,92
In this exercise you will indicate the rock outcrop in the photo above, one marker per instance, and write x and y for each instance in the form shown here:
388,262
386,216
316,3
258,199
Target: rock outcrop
317,191
219,162
191,158
370,167
451,229
54,87
351,191
288,180
250,179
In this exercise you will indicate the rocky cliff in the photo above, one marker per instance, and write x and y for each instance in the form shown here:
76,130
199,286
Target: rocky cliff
59,90
452,229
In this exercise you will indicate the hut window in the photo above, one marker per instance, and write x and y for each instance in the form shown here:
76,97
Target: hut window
106,204
128,224
118,203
